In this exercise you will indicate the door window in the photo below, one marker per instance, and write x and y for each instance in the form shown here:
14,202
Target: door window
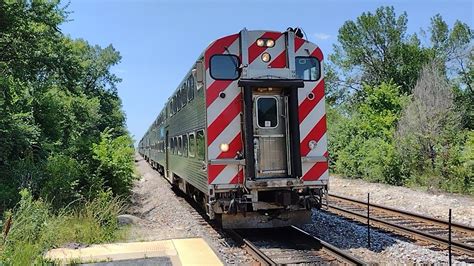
267,112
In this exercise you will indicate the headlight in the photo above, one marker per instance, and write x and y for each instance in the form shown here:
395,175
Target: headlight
266,57
312,144
224,147
270,43
265,43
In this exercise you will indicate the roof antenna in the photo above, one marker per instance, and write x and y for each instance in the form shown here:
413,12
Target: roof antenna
298,31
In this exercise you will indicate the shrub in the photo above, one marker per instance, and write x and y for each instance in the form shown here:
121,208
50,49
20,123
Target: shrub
114,157
64,174
35,228
379,162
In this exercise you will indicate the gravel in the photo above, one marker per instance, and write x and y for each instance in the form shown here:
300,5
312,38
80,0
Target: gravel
385,248
432,203
162,214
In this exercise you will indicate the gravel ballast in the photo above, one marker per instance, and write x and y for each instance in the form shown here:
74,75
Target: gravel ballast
162,214
387,248
159,213
436,204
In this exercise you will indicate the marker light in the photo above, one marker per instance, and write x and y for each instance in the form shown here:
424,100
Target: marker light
270,43
224,147
312,144
260,42
266,57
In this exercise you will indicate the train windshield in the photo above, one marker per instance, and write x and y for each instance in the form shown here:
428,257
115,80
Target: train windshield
308,68
224,67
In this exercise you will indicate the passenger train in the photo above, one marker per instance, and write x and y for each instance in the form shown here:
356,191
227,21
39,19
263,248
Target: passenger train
244,133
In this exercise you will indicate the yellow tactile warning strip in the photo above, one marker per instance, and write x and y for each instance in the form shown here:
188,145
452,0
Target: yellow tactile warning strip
195,251
192,251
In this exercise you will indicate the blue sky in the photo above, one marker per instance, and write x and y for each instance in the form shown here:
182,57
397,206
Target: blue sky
159,40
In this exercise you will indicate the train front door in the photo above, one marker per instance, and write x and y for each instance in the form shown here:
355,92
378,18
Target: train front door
270,126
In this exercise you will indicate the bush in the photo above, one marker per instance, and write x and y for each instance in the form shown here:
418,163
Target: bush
114,157
64,174
36,228
361,141
379,162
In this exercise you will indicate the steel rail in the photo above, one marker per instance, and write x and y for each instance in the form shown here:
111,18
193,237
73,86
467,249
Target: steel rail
456,226
320,245
255,252
332,250
464,248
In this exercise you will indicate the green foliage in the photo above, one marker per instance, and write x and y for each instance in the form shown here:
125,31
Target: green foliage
115,165
375,48
57,95
362,145
64,175
35,228
386,122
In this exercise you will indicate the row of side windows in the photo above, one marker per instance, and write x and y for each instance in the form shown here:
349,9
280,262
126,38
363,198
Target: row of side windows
184,95
189,145
160,146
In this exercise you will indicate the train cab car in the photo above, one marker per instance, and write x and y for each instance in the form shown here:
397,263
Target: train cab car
245,132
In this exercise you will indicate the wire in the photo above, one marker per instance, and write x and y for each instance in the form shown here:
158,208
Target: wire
305,36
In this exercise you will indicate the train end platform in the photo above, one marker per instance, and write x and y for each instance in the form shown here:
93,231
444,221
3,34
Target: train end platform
189,251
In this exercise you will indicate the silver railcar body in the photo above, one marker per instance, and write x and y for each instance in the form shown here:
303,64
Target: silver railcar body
245,131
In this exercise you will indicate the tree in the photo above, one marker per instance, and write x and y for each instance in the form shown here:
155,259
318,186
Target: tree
429,120
361,139
57,95
455,47
375,48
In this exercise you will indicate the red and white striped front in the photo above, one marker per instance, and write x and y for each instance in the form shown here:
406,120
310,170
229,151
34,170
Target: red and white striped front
224,122
223,116
312,118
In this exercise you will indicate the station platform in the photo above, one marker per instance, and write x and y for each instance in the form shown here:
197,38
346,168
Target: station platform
189,251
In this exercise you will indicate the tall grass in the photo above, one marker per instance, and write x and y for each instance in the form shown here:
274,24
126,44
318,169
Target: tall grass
35,228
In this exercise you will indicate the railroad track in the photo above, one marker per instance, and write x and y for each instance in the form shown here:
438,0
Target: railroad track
290,245
415,226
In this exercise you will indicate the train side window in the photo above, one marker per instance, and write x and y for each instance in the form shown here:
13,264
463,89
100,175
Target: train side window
184,94
200,148
173,104
267,115
175,148
192,145
180,145
176,102
308,68
172,145
224,67
185,145
190,88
